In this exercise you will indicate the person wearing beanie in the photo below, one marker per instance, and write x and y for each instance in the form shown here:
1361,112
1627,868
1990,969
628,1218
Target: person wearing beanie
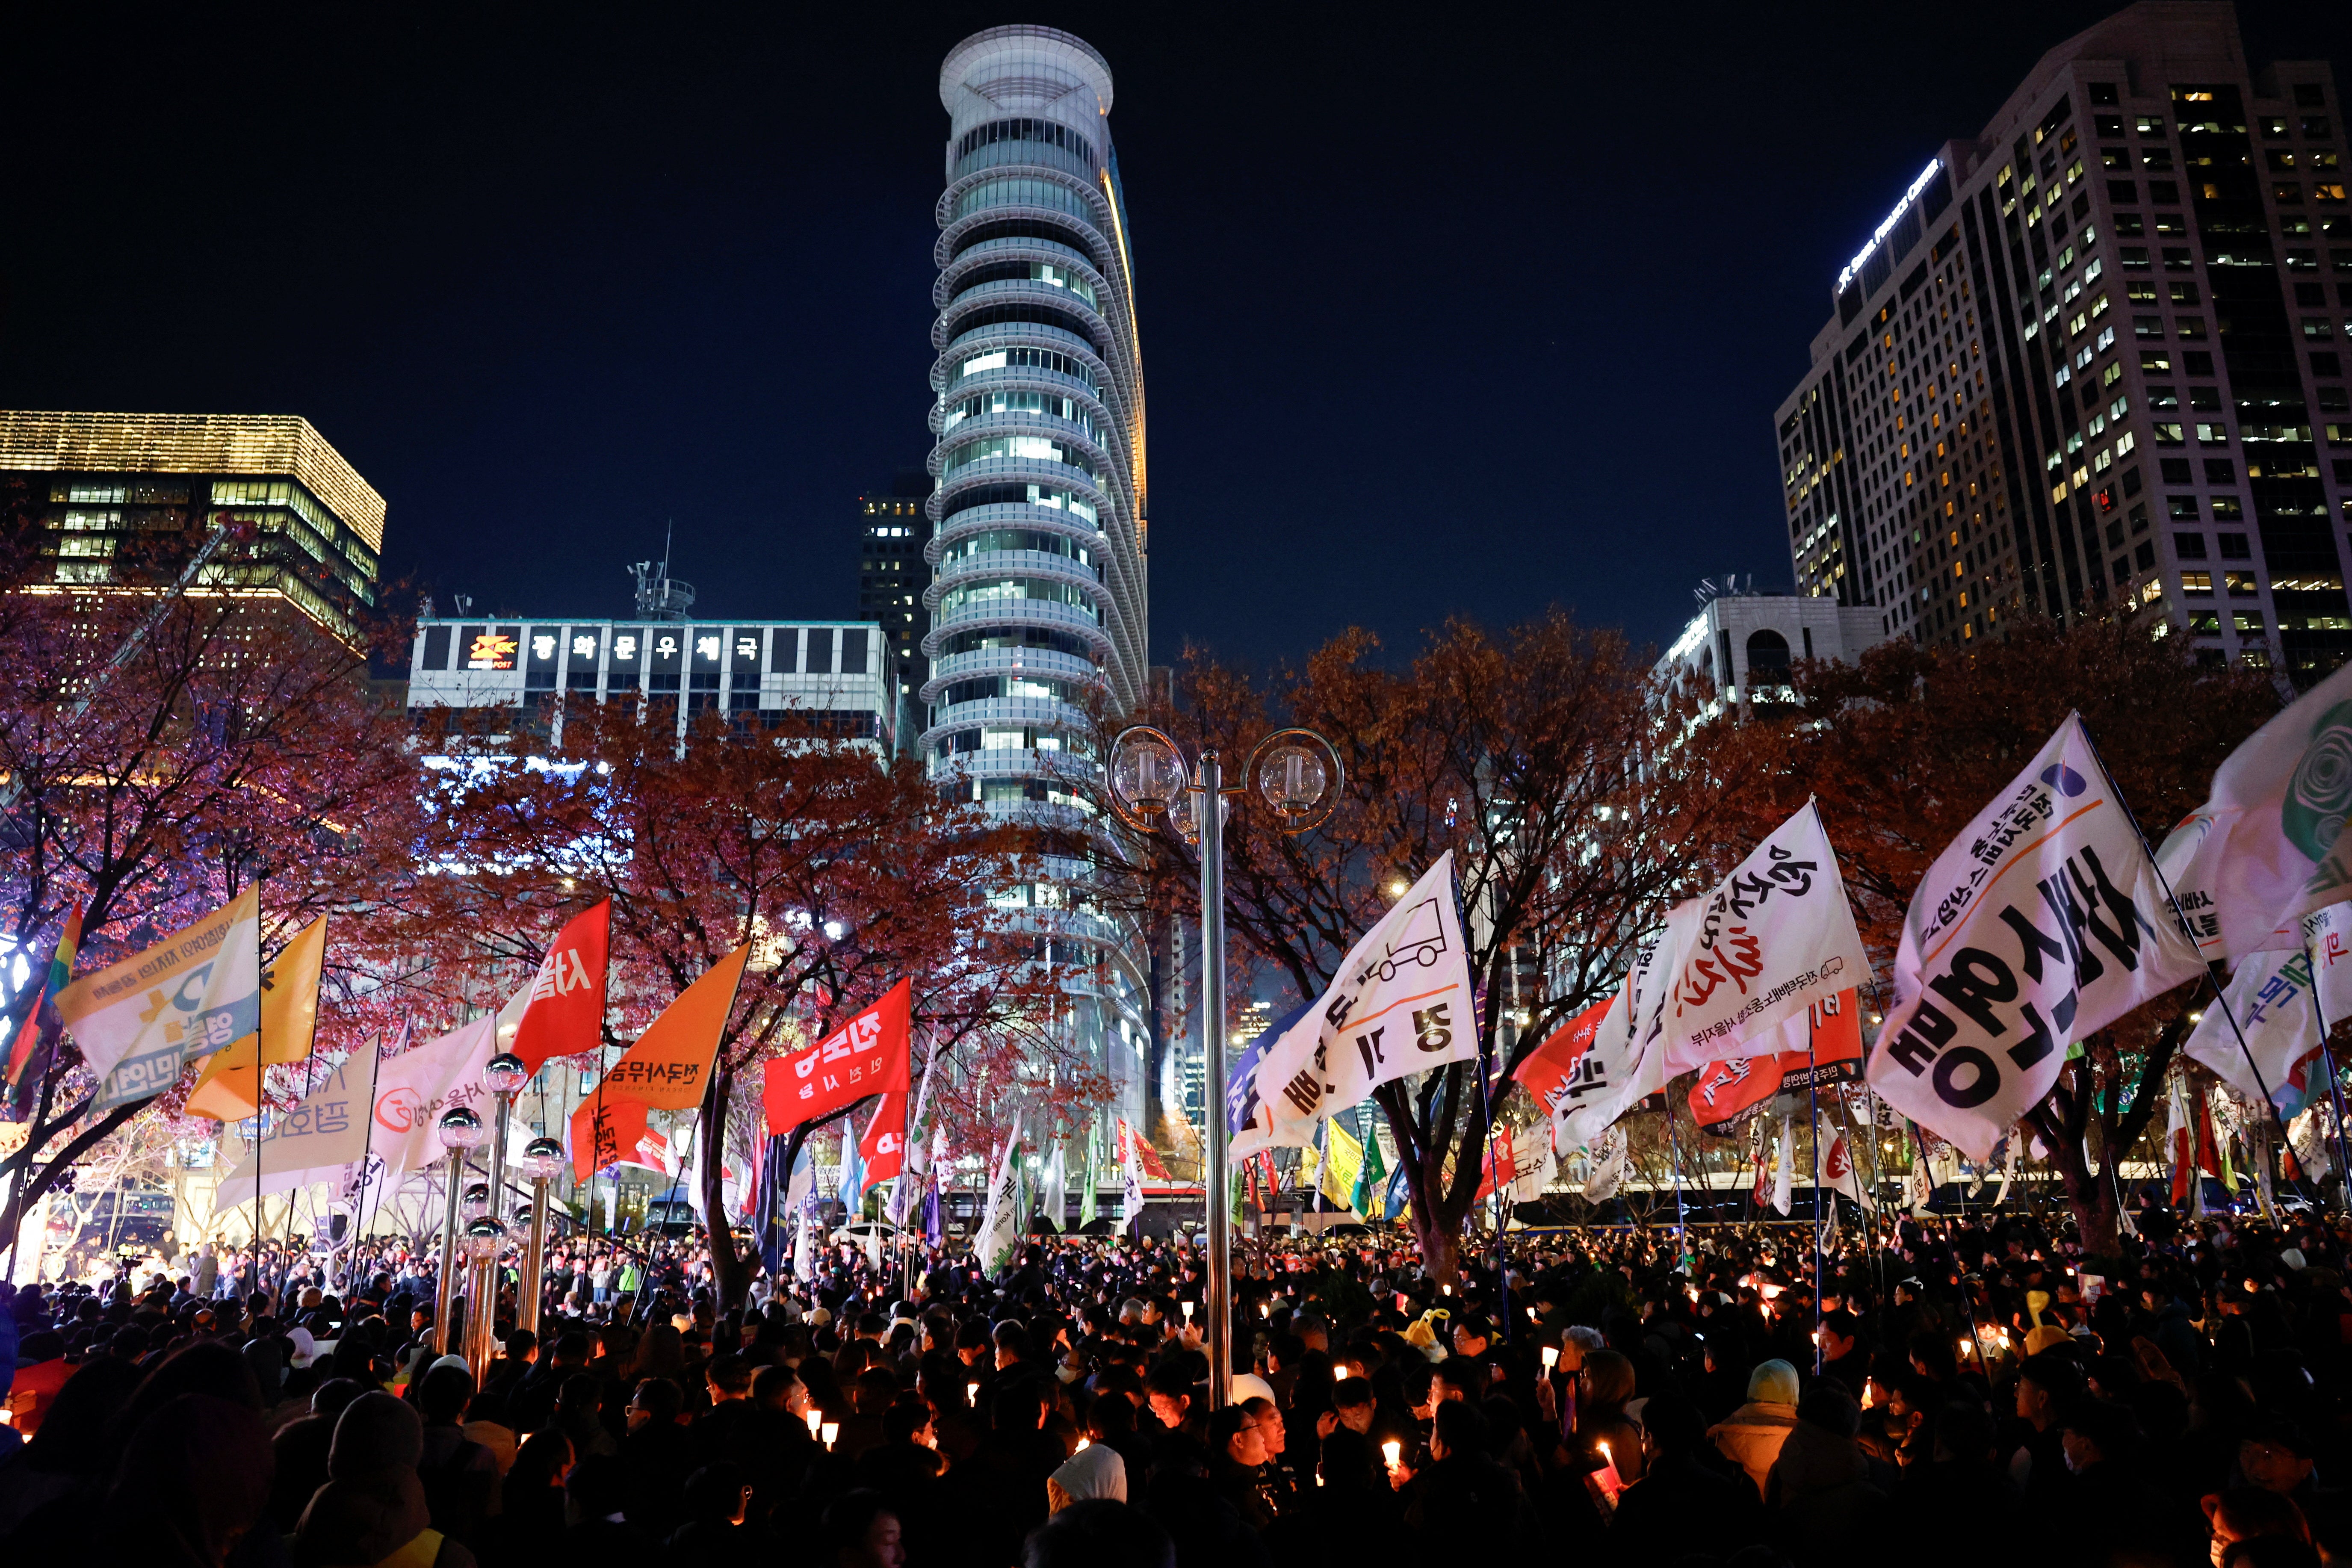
373,1510
1751,1435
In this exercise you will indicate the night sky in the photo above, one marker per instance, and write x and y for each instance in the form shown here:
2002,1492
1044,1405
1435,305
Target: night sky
1473,315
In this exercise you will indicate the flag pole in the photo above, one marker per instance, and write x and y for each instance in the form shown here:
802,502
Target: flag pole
1813,1096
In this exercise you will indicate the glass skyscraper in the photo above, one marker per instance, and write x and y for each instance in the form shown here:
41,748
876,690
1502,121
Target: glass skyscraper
1038,550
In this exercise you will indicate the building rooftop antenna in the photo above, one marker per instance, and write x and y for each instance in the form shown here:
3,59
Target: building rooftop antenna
661,596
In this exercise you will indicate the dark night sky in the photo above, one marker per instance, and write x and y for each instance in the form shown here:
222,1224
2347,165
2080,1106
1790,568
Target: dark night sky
1475,314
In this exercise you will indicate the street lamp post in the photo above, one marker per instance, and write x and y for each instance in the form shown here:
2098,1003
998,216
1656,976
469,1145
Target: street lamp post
542,1159
459,1130
484,1238
1148,780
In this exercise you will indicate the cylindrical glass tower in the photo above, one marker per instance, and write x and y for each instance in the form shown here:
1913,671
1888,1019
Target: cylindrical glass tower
1038,552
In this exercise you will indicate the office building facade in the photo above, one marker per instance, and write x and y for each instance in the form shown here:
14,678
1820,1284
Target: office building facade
766,677
124,501
2094,361
1038,544
892,525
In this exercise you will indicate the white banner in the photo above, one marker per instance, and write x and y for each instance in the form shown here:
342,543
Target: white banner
1400,1003
1627,1060
141,1020
2327,937
2044,921
2269,997
320,1140
1784,1174
412,1090
1606,1171
1002,1221
2266,848
1775,937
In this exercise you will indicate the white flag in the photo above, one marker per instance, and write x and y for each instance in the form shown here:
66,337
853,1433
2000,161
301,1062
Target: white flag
2327,937
1833,1168
1400,1003
321,1140
2269,998
1773,938
1784,1194
2312,1137
1055,1198
1001,1221
1534,1170
1626,1061
2040,924
2266,848
412,1091
140,1020
1132,1168
1606,1170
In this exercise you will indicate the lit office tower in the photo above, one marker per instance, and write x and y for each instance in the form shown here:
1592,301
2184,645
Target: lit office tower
1038,595
2092,361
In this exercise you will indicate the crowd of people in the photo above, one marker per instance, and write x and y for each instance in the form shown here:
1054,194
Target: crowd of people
1933,1393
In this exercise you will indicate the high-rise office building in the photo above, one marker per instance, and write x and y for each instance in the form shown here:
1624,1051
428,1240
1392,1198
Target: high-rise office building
1038,543
125,499
891,577
2092,359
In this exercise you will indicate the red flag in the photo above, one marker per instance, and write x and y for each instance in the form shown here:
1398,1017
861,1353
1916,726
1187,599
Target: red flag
883,1150
1497,1157
1722,1091
1153,1165
562,1012
868,1055
2209,1158
1548,1075
605,1131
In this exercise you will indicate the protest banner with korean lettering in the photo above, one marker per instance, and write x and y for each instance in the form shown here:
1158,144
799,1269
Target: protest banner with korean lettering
562,1012
608,1131
1589,1087
2044,921
140,1021
883,1149
2327,937
1773,938
1401,1003
229,1087
413,1090
1822,1047
2270,997
868,1055
670,1066
1245,1127
318,1141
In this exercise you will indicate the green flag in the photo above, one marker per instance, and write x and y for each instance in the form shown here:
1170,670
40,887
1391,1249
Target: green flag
1370,1175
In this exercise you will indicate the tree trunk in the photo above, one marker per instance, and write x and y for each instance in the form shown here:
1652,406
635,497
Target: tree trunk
728,1271
1440,1243
2091,1196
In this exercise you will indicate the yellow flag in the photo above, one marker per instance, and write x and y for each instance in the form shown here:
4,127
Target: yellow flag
229,1089
1343,1161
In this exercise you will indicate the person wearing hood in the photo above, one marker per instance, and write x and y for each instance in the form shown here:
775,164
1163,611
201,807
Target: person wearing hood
1820,1490
373,1510
1093,1473
1751,1435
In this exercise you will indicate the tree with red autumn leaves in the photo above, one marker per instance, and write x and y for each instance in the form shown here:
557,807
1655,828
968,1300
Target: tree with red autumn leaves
160,754
1528,755
844,872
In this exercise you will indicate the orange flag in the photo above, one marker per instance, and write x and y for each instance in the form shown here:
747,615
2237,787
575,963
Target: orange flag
670,1066
229,1087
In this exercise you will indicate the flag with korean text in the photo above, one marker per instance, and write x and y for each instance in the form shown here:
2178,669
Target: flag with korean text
1003,1219
562,1012
1131,1173
2043,922
2269,997
1246,1130
140,1020
1343,1166
1621,1060
414,1089
1605,1168
608,1131
669,1068
867,1055
229,1087
1834,1169
1773,938
883,1149
1400,1002
1821,1047
2267,847
2327,937
318,1141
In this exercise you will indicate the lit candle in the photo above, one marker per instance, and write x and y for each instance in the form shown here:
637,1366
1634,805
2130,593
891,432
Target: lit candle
815,1422
1084,1442
1339,1372
972,1394
1964,1346
1188,1311
1551,1357
830,1430
1393,1451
